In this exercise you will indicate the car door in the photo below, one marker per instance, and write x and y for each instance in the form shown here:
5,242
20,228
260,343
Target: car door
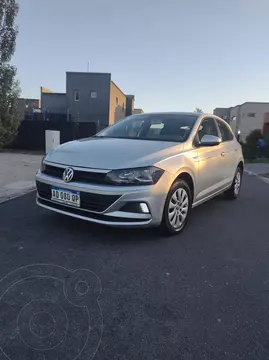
230,149
210,161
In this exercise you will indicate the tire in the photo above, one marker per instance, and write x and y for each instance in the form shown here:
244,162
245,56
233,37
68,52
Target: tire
234,190
179,200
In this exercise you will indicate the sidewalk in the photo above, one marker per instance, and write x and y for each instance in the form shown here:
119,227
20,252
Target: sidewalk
258,169
17,174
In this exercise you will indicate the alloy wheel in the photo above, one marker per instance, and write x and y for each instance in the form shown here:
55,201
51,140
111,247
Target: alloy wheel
237,183
178,208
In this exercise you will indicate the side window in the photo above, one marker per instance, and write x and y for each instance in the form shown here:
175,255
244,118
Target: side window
207,127
226,133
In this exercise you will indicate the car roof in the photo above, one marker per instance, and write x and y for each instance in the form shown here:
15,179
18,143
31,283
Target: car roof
170,113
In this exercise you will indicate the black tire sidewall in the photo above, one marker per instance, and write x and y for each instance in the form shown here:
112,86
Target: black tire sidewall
179,184
241,176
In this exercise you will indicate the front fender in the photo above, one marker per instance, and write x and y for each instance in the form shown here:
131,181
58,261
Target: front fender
181,163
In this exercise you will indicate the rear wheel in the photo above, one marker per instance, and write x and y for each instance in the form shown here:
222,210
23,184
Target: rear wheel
177,208
235,188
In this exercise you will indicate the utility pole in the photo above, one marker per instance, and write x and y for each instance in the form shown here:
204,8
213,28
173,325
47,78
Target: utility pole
88,66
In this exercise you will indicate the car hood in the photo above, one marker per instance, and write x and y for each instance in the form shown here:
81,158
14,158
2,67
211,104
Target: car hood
112,153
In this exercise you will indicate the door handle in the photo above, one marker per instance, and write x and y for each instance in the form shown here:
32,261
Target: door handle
223,153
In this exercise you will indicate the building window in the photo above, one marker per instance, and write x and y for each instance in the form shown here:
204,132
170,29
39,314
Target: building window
93,94
117,101
76,95
253,115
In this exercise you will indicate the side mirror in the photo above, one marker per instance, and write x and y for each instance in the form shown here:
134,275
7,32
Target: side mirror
210,140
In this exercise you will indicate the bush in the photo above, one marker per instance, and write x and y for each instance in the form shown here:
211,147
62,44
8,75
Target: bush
253,137
250,149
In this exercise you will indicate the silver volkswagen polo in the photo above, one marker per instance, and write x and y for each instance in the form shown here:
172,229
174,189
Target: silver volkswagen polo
145,170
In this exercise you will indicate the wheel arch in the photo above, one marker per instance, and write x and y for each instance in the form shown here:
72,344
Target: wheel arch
188,177
241,165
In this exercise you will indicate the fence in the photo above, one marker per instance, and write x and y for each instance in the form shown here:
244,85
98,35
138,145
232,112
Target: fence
31,134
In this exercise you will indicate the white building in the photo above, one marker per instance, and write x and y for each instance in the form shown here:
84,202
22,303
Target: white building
246,117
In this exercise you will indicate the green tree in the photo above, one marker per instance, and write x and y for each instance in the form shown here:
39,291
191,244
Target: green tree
9,87
198,110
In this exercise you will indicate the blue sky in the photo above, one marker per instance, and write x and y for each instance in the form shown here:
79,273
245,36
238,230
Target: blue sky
174,55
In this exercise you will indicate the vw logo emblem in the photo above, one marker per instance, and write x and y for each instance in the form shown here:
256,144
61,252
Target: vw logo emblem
68,174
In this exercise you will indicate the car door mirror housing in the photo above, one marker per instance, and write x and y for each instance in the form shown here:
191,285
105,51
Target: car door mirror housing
210,140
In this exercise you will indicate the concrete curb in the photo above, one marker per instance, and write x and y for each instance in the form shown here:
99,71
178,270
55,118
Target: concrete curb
251,173
24,192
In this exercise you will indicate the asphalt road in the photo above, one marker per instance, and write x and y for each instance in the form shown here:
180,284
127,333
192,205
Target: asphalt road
201,295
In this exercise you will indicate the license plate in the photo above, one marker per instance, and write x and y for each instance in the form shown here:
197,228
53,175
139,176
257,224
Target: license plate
68,197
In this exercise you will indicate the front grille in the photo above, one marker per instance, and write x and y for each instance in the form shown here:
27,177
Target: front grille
84,213
79,176
88,201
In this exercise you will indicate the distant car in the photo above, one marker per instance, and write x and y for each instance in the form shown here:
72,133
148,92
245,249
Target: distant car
146,170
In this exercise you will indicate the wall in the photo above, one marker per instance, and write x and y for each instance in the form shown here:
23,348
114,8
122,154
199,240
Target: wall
87,108
31,134
129,104
45,90
138,111
235,112
248,123
25,107
223,113
117,104
54,103
266,124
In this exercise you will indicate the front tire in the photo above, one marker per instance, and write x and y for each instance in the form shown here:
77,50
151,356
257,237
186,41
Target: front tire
235,188
177,208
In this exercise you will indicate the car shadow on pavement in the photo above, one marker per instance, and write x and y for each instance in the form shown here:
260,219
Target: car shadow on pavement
81,228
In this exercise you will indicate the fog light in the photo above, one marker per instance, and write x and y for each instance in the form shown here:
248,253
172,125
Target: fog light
136,208
144,208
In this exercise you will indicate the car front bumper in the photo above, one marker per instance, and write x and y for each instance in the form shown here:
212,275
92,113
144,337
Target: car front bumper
113,215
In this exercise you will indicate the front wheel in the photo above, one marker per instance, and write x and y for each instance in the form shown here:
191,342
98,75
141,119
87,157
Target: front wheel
177,208
235,188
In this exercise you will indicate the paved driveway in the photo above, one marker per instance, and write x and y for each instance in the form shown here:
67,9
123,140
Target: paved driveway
258,168
201,295
17,173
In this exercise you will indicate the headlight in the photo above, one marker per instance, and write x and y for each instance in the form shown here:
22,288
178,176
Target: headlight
42,166
139,176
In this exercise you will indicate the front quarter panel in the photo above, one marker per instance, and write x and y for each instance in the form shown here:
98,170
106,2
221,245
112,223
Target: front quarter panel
186,161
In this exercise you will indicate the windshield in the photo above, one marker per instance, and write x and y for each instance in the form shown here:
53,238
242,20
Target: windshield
161,127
